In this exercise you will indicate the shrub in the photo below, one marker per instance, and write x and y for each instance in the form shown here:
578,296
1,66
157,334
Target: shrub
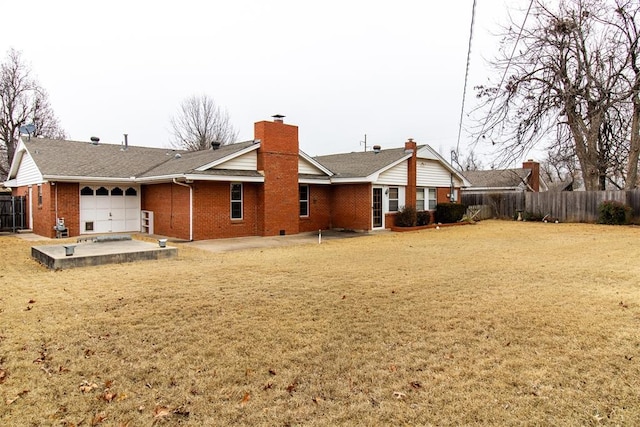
423,218
447,213
613,213
406,217
531,216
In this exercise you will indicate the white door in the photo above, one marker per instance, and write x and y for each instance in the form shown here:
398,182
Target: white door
109,209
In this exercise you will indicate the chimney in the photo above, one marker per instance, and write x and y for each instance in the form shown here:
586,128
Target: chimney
278,118
534,176
410,145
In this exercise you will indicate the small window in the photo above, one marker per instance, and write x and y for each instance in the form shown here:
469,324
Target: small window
117,191
86,191
88,226
131,192
102,192
433,199
304,200
236,201
420,199
393,199
39,194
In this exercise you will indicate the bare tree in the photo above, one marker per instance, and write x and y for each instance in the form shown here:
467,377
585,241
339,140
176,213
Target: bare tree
568,77
22,102
471,162
201,123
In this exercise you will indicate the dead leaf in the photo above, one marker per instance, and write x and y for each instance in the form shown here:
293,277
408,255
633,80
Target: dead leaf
3,375
292,387
399,394
393,368
31,301
87,387
416,384
181,411
272,372
62,369
245,399
268,386
98,418
161,412
108,383
344,297
317,400
108,396
21,394
88,353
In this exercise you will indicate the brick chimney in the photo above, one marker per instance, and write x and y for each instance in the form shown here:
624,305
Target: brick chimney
279,199
534,176
410,197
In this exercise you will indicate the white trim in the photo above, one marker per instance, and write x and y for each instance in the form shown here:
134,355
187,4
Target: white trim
227,158
315,163
313,181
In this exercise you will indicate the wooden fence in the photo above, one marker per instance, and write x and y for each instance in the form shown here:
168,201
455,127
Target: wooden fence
566,206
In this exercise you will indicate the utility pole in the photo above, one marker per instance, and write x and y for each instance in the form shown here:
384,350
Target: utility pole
364,142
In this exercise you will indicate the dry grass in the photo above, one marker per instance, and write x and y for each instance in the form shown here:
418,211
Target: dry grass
499,323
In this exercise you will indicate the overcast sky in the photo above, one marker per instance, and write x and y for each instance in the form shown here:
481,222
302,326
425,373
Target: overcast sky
337,69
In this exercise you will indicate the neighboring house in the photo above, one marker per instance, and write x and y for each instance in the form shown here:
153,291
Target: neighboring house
262,187
522,179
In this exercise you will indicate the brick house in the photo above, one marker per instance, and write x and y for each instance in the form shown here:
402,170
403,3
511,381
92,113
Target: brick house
262,187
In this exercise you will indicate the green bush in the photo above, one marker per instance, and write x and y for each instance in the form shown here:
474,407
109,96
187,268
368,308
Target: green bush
447,213
614,213
423,218
406,217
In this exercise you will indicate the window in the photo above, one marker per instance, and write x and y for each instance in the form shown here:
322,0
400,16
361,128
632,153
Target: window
117,191
102,192
433,199
39,194
131,192
420,199
393,199
236,201
304,200
86,191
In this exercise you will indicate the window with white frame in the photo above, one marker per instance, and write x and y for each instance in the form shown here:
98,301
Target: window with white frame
420,199
432,198
236,200
304,200
393,199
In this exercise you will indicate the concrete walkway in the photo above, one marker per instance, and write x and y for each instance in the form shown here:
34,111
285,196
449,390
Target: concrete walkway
254,242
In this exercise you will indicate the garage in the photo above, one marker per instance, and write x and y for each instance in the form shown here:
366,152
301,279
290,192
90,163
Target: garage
109,209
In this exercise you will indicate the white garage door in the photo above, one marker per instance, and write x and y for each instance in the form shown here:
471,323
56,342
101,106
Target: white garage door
109,209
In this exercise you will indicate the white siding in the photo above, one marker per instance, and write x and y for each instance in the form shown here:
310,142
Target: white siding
397,175
246,162
431,173
307,168
28,172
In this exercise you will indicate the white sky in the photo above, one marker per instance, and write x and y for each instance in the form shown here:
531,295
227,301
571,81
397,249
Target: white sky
337,69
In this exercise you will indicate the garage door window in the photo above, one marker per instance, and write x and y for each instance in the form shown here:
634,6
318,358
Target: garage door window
102,192
117,191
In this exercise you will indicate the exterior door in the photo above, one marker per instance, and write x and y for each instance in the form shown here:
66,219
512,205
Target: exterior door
377,213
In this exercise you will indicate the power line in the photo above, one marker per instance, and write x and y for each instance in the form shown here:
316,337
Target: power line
466,74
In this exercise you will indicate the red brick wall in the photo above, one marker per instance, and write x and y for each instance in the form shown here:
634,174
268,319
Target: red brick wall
319,209
443,194
212,211
68,206
278,158
351,206
170,206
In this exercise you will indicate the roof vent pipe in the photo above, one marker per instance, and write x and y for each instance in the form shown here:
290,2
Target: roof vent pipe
215,145
376,149
95,140
126,141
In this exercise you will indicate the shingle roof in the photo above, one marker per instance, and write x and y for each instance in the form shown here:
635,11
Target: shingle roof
85,159
502,178
360,164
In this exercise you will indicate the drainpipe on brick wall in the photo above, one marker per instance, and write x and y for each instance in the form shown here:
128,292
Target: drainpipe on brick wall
175,181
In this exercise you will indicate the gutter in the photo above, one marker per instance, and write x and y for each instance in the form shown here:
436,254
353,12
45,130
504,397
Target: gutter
175,181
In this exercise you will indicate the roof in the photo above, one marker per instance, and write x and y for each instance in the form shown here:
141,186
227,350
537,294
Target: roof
500,178
361,164
69,159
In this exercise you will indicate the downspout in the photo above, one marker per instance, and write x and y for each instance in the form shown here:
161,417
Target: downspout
175,181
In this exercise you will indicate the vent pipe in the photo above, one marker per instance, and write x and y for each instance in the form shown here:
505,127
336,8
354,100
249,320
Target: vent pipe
126,141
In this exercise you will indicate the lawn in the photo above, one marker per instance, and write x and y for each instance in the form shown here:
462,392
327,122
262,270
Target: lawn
498,323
